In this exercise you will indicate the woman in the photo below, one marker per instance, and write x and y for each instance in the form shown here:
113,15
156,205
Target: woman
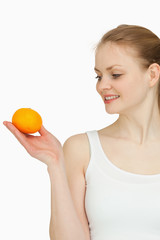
105,184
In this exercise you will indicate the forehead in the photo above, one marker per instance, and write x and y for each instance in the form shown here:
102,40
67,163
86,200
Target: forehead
111,53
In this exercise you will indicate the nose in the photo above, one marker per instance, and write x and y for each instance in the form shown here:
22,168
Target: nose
104,83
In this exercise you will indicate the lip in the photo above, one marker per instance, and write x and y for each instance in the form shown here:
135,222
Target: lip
110,95
108,101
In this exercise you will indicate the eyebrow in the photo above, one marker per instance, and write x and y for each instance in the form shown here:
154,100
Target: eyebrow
109,68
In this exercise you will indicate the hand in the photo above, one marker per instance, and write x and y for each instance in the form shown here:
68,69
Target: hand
45,147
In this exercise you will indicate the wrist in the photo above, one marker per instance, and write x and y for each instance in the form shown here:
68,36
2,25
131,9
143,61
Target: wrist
55,166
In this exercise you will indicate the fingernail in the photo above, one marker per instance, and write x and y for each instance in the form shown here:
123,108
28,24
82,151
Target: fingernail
5,124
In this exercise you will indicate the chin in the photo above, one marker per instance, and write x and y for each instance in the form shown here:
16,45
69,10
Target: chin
112,111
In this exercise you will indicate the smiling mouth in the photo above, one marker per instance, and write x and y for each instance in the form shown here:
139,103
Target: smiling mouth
110,100
112,97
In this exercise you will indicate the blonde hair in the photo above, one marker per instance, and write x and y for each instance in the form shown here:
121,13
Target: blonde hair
144,41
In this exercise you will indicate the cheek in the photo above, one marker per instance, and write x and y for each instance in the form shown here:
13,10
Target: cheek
129,86
134,92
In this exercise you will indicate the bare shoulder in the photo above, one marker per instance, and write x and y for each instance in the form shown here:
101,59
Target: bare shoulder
76,150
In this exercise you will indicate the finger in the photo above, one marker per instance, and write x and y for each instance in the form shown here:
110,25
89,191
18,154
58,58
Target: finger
43,131
21,137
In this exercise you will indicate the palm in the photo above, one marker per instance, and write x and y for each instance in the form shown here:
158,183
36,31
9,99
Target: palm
45,147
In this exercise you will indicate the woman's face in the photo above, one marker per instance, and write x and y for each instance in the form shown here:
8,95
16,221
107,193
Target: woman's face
126,78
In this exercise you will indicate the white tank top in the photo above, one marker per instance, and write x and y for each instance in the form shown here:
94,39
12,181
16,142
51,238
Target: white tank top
120,205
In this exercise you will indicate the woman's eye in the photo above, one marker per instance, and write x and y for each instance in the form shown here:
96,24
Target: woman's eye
98,77
113,75
116,75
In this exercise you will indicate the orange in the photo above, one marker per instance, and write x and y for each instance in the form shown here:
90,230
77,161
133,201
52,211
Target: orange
27,120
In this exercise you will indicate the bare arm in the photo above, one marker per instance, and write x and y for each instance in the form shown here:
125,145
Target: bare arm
64,224
64,219
76,154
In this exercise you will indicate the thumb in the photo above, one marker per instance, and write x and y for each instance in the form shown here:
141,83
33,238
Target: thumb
43,131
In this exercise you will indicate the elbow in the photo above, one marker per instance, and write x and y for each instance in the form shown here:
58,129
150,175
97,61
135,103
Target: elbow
51,232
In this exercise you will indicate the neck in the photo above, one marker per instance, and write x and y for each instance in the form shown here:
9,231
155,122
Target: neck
141,125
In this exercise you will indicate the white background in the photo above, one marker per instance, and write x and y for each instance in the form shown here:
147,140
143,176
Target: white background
46,63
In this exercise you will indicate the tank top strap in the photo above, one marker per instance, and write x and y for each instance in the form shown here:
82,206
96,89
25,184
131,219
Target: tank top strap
93,142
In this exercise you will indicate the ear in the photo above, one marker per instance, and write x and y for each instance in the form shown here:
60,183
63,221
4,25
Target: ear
154,73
